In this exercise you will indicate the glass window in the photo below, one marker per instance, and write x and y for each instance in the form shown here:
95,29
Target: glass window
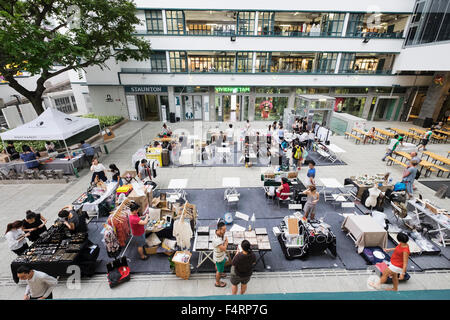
244,62
154,21
347,62
270,108
284,62
327,62
246,23
178,61
444,33
63,104
224,63
355,25
272,90
357,90
432,20
353,106
332,24
376,25
201,63
210,22
74,103
262,62
266,21
158,61
175,21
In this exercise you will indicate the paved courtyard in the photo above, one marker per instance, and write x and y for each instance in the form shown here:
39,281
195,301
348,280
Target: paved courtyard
48,199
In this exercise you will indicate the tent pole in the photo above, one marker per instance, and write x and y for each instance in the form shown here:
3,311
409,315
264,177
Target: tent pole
65,144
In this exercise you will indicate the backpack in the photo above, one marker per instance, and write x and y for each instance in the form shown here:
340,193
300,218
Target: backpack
417,175
298,153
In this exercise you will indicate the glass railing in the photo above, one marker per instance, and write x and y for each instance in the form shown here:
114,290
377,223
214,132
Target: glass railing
376,35
232,70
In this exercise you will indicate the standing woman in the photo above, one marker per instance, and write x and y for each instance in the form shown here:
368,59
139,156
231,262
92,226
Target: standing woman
311,202
34,223
398,264
116,174
242,267
98,170
17,239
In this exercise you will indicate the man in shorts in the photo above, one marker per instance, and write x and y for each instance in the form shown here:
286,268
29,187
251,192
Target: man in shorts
425,139
242,267
220,243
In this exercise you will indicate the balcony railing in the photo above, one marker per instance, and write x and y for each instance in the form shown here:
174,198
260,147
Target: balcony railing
228,71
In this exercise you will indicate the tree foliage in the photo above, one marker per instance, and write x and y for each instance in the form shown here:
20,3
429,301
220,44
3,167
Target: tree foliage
36,35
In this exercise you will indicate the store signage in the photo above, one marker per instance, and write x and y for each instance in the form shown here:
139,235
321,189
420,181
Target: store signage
145,89
232,89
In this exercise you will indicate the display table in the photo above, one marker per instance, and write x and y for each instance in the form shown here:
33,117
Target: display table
365,231
93,207
52,253
441,222
364,187
66,165
259,243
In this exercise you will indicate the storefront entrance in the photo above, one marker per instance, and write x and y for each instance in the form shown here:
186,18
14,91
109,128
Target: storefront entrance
232,107
148,107
386,109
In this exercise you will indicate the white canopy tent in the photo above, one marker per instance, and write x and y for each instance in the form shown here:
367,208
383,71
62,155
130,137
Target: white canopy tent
51,125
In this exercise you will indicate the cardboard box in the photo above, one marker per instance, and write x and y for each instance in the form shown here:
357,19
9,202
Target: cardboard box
151,250
141,200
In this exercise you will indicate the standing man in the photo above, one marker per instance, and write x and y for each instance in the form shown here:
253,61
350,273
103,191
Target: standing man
39,284
425,139
144,171
408,177
87,150
391,148
220,243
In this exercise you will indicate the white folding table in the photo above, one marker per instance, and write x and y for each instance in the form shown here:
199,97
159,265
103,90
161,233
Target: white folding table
329,183
178,186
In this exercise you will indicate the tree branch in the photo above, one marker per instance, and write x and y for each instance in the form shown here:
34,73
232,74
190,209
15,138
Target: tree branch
42,14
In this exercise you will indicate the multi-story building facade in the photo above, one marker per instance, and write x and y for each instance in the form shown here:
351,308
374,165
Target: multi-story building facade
223,61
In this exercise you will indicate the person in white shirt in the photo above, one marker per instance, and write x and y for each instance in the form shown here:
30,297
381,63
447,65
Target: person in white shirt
229,133
425,139
39,284
99,170
49,146
247,125
220,243
303,137
16,237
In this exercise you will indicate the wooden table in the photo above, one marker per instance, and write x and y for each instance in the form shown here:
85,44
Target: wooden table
385,133
437,157
404,133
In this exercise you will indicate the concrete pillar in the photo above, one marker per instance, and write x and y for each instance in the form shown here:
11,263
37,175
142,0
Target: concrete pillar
407,103
291,99
367,104
171,94
212,104
435,98
251,104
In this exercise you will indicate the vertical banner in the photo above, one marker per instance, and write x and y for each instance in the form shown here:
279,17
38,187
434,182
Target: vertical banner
198,107
188,110
206,107
132,109
164,113
178,107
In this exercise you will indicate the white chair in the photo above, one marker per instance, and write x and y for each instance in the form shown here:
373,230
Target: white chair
346,205
232,199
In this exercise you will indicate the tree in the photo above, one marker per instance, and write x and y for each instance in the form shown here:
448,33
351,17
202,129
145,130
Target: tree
36,35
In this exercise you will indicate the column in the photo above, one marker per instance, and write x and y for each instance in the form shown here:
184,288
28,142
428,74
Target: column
212,104
338,63
291,99
256,23
368,103
163,15
251,104
434,100
344,28
171,96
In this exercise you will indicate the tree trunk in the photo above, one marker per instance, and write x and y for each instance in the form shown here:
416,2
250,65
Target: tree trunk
37,104
35,97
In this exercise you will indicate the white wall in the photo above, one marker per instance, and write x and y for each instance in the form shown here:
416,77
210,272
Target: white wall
274,44
432,57
288,5
103,108
273,80
107,76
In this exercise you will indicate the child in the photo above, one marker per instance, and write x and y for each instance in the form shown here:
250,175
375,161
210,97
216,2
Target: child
311,172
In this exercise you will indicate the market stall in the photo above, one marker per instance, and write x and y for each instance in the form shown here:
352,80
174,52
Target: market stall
54,252
52,125
365,231
98,200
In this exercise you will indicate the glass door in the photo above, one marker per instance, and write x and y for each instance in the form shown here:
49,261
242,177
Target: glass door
226,107
198,108
148,107
384,108
164,103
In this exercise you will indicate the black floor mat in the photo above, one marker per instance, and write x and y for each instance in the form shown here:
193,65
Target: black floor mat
435,185
211,206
